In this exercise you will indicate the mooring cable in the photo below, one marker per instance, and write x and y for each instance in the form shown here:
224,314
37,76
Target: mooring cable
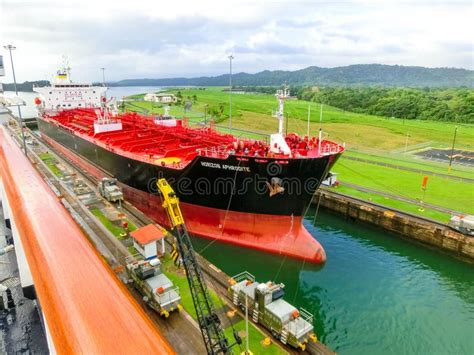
226,212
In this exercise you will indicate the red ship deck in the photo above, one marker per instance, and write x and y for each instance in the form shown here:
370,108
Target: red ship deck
142,139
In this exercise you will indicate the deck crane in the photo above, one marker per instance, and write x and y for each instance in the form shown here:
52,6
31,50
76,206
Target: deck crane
209,323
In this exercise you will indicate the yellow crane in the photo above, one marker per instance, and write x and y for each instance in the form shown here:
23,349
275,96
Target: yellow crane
209,323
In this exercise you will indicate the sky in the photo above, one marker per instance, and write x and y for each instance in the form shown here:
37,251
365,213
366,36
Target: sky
160,39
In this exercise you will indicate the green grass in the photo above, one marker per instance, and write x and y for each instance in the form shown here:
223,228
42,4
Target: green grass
440,191
178,278
131,226
132,250
112,228
396,204
50,162
255,339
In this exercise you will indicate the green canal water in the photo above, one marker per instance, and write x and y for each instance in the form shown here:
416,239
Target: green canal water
377,294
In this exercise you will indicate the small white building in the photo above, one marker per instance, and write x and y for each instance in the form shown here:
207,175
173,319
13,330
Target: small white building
145,240
161,97
330,180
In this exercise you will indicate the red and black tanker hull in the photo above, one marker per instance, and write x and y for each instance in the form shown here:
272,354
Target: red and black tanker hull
225,199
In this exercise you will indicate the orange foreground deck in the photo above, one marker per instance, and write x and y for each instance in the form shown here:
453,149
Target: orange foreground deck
87,309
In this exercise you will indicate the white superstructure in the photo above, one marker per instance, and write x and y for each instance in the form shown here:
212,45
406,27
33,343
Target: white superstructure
65,94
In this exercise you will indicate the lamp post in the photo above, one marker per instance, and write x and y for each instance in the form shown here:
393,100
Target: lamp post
230,92
320,134
452,149
103,76
406,143
10,48
247,350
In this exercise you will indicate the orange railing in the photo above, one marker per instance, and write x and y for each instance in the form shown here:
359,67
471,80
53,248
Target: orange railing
86,308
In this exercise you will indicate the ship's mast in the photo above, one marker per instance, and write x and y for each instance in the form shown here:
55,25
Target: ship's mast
281,95
66,68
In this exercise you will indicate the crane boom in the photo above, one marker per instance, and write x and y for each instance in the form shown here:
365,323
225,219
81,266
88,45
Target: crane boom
209,323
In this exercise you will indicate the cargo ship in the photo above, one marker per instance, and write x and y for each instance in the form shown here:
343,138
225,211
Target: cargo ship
250,193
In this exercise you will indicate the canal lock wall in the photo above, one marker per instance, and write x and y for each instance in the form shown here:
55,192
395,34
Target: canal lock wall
410,227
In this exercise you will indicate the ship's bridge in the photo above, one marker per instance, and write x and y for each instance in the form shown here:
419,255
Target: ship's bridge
66,94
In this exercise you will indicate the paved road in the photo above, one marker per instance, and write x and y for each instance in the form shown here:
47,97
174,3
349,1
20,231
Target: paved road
464,157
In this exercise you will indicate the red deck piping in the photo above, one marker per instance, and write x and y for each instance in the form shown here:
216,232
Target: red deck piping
140,139
86,307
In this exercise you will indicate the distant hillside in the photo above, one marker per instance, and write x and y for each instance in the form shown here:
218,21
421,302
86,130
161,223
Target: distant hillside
26,86
352,75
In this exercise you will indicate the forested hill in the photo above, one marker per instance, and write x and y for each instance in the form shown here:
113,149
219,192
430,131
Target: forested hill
352,75
26,86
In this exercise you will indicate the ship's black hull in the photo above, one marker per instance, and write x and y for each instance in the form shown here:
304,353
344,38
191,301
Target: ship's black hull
233,184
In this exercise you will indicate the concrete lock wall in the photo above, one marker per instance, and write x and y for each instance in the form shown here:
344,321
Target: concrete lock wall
410,227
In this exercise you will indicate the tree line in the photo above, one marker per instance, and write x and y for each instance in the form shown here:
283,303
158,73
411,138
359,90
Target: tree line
351,75
452,105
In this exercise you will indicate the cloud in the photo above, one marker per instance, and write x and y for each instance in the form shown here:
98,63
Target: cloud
186,38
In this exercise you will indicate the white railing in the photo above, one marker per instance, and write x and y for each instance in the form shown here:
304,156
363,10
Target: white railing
214,152
168,296
306,315
331,148
244,275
